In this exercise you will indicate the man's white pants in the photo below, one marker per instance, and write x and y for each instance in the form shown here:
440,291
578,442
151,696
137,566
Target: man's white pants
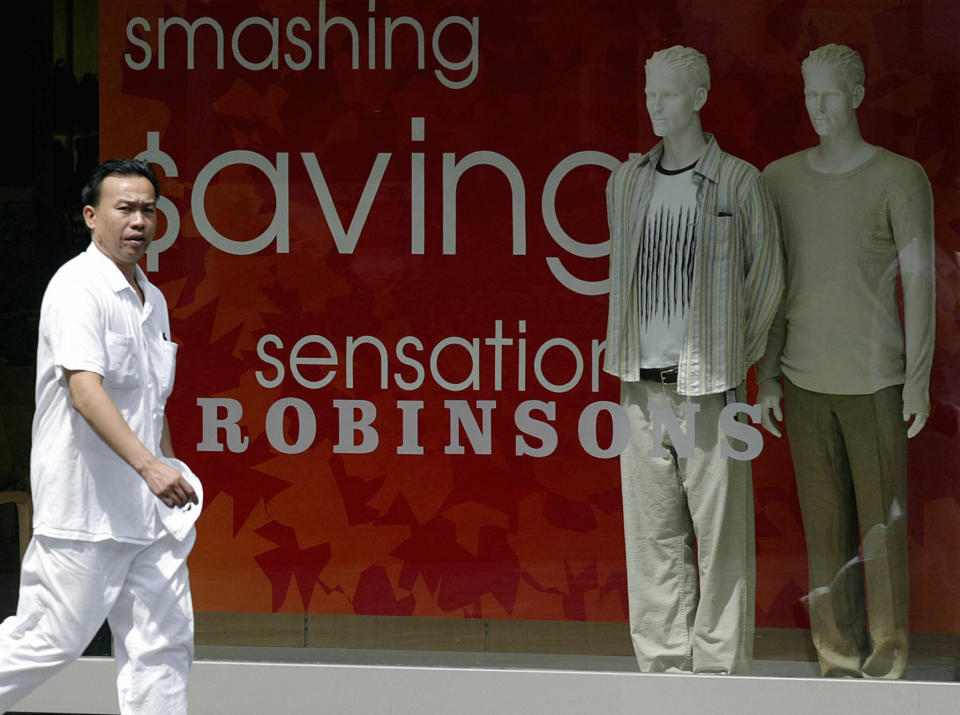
689,529
68,588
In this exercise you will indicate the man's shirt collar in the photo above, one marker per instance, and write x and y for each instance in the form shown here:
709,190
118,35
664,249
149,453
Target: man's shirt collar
115,280
708,165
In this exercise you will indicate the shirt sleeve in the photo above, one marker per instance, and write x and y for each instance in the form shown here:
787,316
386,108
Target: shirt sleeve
912,220
74,327
763,267
768,366
612,362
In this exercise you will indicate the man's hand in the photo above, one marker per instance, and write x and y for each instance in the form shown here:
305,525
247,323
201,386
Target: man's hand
168,484
771,414
91,400
919,420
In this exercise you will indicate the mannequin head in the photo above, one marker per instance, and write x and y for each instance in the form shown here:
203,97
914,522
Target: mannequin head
678,80
839,57
833,79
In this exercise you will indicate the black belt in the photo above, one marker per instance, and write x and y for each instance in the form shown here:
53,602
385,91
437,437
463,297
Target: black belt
664,375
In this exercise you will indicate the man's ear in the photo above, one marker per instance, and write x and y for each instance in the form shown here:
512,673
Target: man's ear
90,216
699,98
858,94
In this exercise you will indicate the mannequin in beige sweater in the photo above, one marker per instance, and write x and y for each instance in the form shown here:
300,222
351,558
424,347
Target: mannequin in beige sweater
853,216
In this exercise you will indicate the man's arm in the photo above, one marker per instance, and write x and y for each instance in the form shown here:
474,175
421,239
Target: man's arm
763,290
166,443
913,223
763,269
91,400
614,338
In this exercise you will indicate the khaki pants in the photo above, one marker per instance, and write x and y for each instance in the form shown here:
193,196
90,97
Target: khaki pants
850,457
689,533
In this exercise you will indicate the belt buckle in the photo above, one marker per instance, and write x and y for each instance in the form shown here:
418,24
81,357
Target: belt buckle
667,372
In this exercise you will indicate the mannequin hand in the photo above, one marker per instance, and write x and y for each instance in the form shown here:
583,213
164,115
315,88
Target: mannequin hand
771,414
919,420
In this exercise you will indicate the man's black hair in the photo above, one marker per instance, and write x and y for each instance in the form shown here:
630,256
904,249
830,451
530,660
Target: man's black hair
116,167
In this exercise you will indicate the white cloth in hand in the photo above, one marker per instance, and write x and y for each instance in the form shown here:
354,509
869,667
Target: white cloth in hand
179,520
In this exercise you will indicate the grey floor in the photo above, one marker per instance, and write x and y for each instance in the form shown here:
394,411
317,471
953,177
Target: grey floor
943,672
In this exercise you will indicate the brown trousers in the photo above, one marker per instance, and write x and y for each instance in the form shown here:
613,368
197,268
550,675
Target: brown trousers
850,458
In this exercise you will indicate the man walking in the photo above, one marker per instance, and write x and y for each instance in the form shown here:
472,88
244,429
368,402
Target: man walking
105,367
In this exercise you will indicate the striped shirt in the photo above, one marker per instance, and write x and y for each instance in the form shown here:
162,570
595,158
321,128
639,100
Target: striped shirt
737,273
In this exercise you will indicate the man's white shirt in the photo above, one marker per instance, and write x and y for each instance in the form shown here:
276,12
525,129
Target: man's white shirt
92,319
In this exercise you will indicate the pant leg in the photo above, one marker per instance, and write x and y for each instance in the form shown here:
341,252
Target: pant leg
876,439
152,623
661,562
720,497
66,589
825,491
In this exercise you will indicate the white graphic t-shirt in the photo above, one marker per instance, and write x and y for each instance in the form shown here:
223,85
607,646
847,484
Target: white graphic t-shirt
666,266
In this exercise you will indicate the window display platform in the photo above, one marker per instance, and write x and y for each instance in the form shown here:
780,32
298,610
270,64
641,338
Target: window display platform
300,680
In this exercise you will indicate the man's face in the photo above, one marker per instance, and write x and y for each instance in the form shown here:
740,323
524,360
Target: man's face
672,100
124,220
830,102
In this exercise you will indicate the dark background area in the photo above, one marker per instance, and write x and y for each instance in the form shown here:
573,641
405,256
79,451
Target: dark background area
49,50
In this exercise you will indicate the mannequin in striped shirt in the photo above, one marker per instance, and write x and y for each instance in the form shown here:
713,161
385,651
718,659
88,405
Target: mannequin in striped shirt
695,279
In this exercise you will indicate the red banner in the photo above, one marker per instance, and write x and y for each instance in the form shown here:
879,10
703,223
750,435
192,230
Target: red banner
384,251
